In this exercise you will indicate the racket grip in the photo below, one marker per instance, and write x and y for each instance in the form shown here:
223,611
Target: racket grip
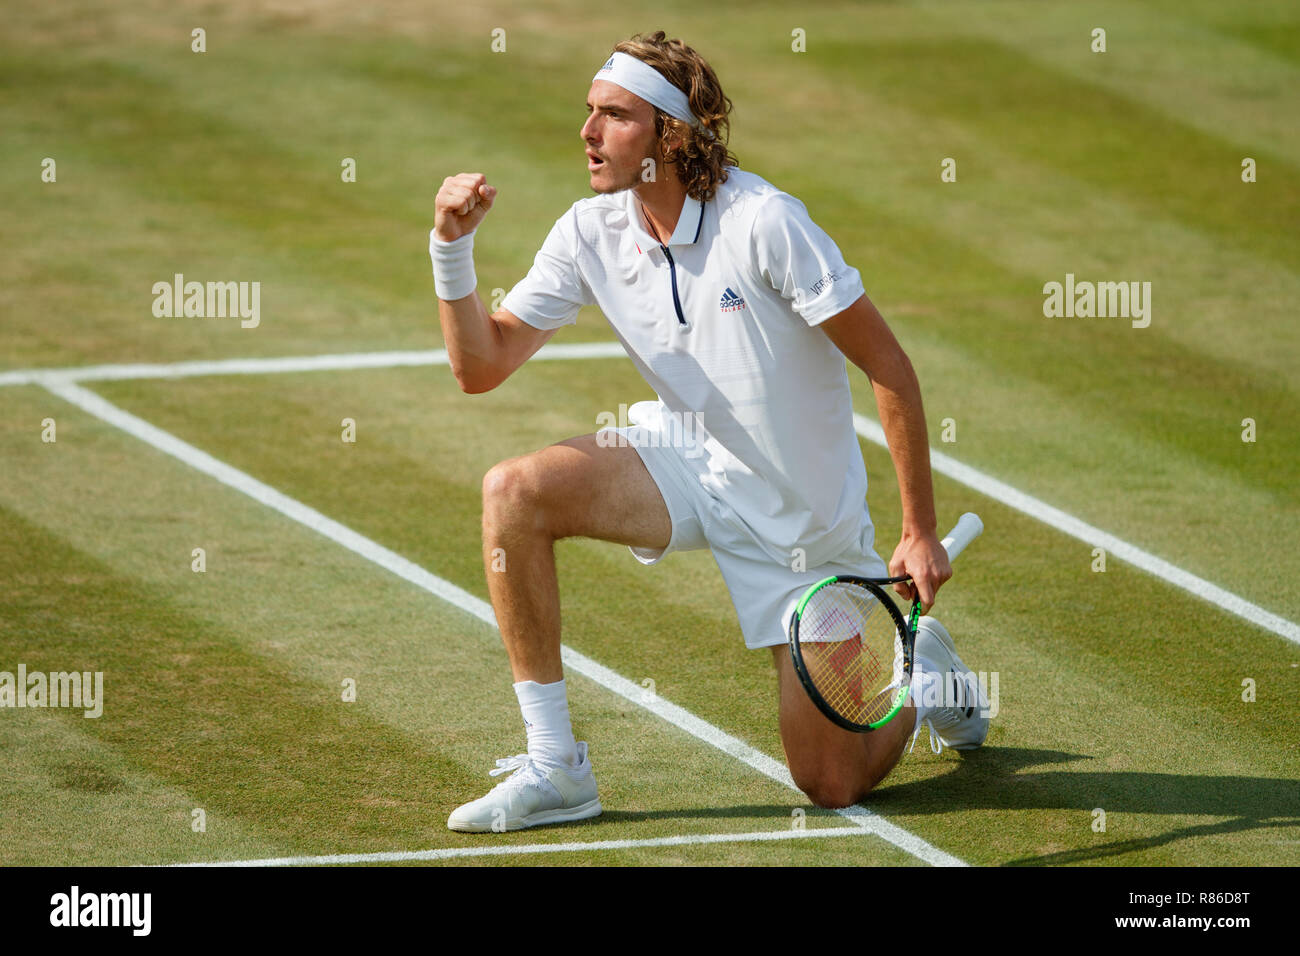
967,529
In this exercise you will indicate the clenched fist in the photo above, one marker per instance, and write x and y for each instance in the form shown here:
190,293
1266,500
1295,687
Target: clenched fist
462,203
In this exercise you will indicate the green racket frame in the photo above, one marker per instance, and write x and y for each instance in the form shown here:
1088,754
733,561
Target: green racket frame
907,632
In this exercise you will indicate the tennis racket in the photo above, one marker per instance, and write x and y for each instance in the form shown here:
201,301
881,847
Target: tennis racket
852,647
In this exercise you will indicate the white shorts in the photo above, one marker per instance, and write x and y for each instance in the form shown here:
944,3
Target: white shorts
763,591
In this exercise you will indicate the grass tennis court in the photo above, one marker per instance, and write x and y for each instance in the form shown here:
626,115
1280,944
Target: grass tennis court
223,690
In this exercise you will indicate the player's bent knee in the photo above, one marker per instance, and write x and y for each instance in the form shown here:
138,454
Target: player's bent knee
510,491
833,797
833,792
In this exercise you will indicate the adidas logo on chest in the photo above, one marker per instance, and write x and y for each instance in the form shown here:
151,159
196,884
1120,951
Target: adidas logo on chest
731,302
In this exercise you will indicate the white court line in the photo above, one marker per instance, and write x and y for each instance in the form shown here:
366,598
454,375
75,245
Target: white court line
372,551
1092,535
452,853
299,363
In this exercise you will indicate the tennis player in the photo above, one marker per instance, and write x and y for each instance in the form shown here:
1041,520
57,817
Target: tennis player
739,312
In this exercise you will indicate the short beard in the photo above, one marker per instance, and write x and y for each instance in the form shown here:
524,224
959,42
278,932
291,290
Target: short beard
635,180
617,188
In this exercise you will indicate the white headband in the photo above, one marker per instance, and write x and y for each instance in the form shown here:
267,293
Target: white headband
645,81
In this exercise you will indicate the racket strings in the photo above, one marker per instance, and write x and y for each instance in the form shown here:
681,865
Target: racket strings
851,651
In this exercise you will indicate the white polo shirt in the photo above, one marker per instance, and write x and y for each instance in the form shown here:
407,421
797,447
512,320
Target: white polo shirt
722,325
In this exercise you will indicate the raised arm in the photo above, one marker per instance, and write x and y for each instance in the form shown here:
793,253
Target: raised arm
483,348
862,335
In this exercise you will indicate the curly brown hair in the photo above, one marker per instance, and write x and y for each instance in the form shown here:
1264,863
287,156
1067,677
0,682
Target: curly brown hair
701,160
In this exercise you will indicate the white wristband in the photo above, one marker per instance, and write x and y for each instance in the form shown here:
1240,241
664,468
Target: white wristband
453,266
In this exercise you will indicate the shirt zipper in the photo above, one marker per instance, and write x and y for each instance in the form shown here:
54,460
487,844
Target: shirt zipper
672,269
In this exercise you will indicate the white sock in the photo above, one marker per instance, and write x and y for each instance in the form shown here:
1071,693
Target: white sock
927,689
546,719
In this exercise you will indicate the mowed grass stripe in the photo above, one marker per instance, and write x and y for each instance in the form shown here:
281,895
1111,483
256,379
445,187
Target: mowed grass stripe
1156,58
1231,73
190,707
1021,604
157,130
222,221
69,797
246,715
1161,166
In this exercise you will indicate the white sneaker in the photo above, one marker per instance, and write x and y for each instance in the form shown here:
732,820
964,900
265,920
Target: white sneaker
529,797
962,722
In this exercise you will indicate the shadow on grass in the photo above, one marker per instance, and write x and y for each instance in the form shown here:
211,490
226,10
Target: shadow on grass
995,779
1121,847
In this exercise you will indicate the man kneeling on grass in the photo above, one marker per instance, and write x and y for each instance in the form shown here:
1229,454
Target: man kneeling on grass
739,312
